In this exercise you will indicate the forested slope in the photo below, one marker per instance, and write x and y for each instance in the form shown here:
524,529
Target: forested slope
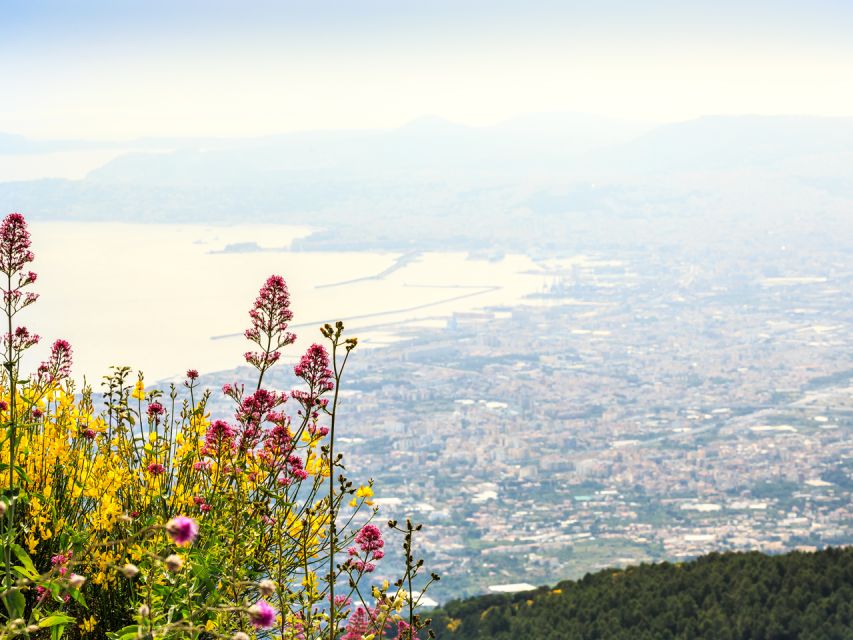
730,596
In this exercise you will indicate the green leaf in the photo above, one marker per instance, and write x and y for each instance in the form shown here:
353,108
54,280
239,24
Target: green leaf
57,631
23,474
15,604
24,559
78,598
52,621
29,575
127,633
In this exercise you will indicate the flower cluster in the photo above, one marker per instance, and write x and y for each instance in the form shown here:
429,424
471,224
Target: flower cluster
103,535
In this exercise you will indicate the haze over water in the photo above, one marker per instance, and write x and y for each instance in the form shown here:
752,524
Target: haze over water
165,298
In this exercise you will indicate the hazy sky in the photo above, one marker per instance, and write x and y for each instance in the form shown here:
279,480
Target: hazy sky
121,69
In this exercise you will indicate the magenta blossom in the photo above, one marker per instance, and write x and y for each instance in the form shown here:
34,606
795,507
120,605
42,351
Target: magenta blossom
262,615
182,530
14,244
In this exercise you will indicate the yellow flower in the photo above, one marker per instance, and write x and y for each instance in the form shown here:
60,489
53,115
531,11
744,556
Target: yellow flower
138,390
88,626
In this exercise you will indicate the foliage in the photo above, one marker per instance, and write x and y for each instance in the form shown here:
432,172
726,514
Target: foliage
150,518
730,596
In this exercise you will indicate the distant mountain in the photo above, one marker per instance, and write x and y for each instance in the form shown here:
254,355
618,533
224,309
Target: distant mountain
730,142
796,596
532,181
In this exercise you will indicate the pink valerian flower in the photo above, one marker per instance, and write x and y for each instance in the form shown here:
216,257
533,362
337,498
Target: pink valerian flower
89,434
59,364
313,367
340,601
316,430
60,559
192,374
270,315
21,339
14,244
219,439
253,410
262,615
155,411
202,465
4,406
358,625
362,622
369,538
361,566
404,631
182,530
156,469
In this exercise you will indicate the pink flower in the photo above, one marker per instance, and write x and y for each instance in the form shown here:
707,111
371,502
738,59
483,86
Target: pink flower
14,244
218,439
59,364
270,315
155,410
182,530
262,615
156,469
192,374
369,538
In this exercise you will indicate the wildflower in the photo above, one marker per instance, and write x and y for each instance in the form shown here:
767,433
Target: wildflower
138,390
130,570
144,611
313,367
369,538
4,405
182,530
262,615
59,364
14,244
155,410
2,508
174,563
89,434
218,439
192,374
240,636
156,469
270,315
21,339
266,587
342,601
358,625
88,625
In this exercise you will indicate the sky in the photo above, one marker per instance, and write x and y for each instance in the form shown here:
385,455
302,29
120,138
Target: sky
119,70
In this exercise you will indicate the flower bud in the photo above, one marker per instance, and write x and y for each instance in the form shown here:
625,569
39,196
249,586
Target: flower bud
266,587
240,636
2,508
144,611
130,570
33,628
174,563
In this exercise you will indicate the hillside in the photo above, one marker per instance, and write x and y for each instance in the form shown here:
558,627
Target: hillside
808,596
